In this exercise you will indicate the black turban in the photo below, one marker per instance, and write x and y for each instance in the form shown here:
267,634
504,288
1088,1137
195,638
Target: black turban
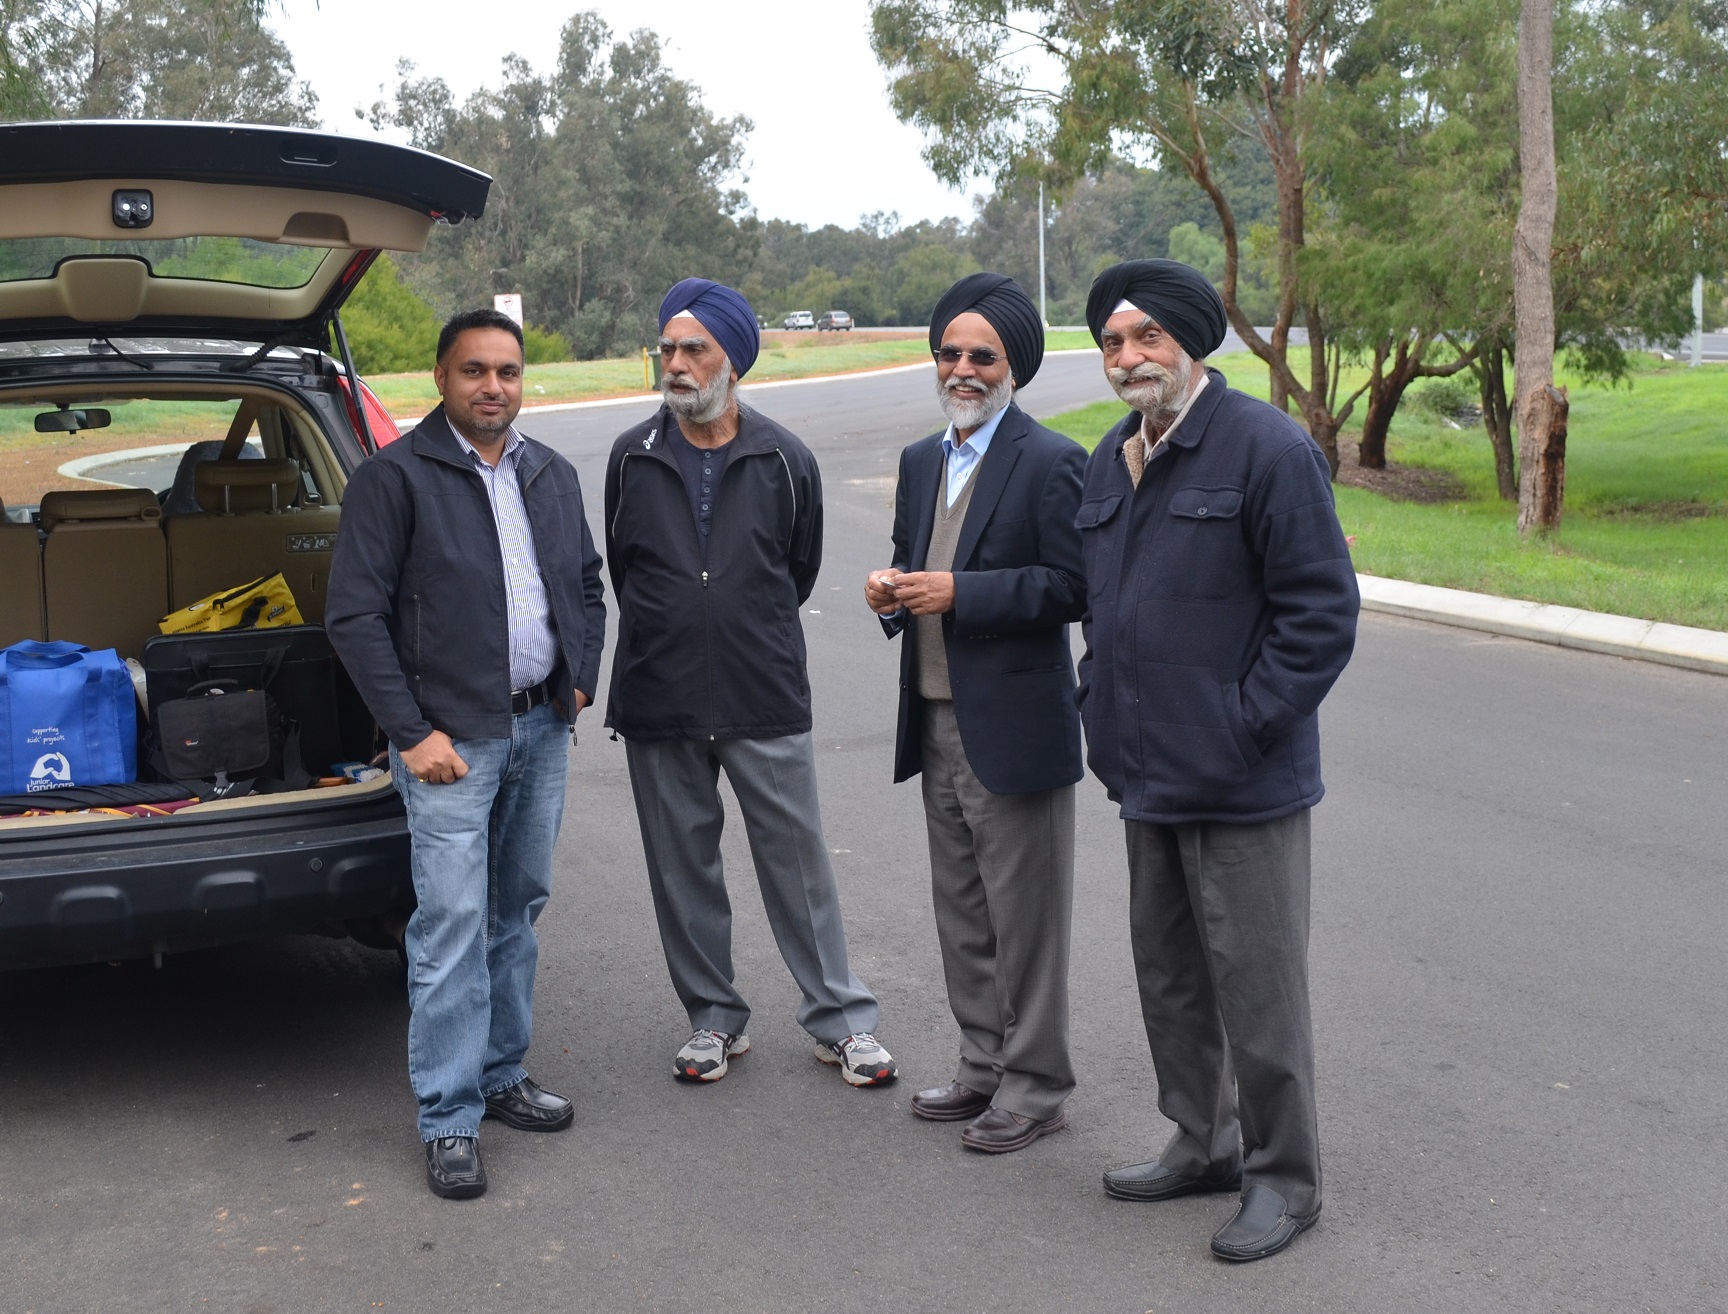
1010,311
1178,296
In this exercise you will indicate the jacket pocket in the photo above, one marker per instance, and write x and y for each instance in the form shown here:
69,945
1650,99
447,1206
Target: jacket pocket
1098,512
1205,544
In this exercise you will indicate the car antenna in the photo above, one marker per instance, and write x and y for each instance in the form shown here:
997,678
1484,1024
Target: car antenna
108,342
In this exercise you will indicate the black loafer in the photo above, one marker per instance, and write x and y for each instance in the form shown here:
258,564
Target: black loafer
1263,1226
453,1168
950,1103
997,1131
526,1107
1153,1181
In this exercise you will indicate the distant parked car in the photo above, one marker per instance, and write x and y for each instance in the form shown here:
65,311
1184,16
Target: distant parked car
836,320
800,319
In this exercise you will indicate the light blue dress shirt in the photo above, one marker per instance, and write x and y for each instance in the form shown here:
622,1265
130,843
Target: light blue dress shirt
963,458
533,644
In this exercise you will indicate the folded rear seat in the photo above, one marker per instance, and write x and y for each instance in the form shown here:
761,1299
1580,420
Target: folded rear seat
20,581
249,527
104,567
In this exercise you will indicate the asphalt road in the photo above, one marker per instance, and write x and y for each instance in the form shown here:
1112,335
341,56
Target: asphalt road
1519,985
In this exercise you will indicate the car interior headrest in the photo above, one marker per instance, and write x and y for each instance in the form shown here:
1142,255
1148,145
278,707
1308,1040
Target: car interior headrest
237,487
63,507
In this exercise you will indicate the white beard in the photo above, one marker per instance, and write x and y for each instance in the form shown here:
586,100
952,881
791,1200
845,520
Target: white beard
1157,393
967,409
707,403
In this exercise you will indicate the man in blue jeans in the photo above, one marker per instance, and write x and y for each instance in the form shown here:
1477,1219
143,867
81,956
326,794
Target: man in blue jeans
465,601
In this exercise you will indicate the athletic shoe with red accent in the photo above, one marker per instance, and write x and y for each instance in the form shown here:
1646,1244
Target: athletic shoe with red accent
704,1055
861,1059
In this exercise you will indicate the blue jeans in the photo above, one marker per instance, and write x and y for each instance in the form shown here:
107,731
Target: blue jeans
482,873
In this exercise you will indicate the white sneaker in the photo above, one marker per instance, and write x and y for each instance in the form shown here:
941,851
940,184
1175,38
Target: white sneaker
704,1055
861,1059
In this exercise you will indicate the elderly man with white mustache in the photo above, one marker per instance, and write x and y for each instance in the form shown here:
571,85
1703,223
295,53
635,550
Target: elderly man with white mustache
1221,608
713,541
985,580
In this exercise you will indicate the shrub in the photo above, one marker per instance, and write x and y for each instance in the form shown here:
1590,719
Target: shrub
1444,397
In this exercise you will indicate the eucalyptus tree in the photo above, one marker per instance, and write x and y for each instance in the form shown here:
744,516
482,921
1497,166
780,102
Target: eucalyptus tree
1050,88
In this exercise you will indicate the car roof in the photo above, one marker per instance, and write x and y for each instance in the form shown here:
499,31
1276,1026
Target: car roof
255,232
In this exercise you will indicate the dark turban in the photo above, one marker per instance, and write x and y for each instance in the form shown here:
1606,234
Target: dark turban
1178,296
723,312
1004,303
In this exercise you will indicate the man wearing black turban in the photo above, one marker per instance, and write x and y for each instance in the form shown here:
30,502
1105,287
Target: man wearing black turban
986,577
1222,608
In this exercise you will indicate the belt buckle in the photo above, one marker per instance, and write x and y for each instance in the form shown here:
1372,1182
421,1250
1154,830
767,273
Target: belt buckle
521,701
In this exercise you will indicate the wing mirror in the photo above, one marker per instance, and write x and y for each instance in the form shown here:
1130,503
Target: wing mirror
66,420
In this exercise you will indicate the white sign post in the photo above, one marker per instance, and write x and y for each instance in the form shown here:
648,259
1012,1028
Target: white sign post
509,303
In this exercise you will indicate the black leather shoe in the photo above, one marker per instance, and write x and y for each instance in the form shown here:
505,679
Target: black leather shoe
526,1107
1153,1181
950,1103
1263,1226
453,1167
997,1131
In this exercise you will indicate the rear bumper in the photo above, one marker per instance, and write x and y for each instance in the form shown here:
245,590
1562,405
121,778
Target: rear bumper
129,891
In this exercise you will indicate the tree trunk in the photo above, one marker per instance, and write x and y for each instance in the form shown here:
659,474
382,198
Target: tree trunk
1385,392
1541,446
1497,418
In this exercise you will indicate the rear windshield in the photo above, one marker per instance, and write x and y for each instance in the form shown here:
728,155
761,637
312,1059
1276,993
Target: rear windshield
217,259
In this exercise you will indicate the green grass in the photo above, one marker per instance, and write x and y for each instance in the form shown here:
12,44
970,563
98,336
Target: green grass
1645,531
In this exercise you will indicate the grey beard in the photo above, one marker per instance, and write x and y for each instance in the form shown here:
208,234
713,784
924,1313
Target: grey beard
1163,402
965,412
708,403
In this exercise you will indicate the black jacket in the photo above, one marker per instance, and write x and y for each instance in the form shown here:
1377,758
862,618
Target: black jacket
1017,584
1221,606
417,605
709,641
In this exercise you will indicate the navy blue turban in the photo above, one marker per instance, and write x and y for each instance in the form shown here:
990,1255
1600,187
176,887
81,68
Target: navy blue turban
1007,308
723,312
1178,296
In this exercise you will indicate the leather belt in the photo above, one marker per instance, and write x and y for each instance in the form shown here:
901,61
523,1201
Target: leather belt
526,700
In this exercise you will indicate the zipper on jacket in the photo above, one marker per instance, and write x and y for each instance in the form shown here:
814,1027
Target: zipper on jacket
708,645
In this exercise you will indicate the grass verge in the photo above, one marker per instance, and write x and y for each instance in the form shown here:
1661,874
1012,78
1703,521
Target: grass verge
1645,531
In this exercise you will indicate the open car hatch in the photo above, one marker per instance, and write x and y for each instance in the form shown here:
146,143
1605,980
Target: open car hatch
139,228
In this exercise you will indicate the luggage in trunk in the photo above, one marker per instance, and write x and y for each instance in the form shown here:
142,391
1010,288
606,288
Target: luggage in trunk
294,664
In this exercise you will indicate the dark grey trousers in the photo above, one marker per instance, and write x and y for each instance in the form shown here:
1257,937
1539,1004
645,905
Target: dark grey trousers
1002,880
676,783
1219,915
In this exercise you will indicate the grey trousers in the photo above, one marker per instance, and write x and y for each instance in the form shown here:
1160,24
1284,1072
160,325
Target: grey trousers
676,783
1002,880
1219,915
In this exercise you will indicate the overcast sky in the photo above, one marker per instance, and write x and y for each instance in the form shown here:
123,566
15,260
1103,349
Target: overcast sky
825,149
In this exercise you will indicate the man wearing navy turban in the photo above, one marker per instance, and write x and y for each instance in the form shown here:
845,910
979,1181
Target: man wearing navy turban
1222,609
986,578
713,540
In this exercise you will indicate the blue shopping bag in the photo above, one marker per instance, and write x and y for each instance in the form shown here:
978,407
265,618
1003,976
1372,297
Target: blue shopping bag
68,716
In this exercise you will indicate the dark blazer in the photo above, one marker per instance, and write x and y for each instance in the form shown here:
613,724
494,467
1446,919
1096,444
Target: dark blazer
416,608
1017,584
1221,607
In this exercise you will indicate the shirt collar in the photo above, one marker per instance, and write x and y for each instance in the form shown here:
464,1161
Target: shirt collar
979,442
512,441
1152,445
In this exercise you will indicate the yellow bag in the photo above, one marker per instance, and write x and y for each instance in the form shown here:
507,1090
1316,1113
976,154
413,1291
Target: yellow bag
262,604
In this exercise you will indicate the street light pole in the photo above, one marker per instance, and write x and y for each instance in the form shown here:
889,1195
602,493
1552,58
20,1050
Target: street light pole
1043,313
1698,319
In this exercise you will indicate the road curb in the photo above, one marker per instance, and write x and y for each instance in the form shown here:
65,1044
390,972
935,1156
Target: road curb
1541,622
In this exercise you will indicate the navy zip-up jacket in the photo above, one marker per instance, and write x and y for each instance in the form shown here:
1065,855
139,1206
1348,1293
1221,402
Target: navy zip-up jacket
417,606
710,645
1221,607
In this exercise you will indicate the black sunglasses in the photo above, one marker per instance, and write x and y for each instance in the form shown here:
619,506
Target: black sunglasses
982,357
